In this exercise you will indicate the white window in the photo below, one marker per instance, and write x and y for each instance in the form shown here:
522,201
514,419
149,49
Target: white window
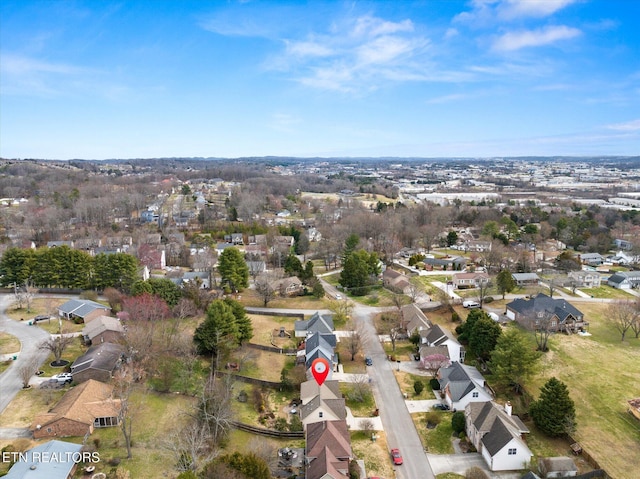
512,451
320,414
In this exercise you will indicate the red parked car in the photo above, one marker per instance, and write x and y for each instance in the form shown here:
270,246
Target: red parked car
396,456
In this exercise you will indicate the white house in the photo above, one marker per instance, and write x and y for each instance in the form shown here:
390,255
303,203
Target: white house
462,385
497,435
438,336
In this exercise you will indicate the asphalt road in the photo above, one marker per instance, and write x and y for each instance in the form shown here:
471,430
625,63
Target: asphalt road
30,338
396,420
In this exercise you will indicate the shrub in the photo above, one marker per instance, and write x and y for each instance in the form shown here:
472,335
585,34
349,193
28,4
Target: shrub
433,417
458,422
418,386
488,299
281,424
435,384
455,317
476,473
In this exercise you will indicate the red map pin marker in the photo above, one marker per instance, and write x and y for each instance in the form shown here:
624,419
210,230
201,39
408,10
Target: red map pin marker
320,370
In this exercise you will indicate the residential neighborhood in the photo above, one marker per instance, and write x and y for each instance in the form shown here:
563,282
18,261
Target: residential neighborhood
201,312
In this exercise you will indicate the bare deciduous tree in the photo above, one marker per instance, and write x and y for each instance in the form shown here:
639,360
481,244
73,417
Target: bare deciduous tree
264,285
57,345
542,328
352,339
27,370
215,407
191,445
622,316
124,386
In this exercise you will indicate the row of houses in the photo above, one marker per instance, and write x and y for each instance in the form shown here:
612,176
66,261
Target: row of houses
492,428
91,403
323,410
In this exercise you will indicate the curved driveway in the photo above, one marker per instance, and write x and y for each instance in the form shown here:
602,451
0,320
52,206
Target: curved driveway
30,338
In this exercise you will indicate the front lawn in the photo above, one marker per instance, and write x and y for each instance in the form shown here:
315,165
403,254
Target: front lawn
9,343
435,431
607,292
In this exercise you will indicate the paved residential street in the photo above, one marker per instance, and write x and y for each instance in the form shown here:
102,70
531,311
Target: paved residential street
396,420
30,338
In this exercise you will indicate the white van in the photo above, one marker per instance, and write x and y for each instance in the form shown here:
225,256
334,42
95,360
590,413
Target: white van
469,304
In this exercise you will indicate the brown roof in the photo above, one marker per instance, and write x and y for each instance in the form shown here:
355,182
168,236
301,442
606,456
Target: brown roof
331,434
330,389
327,465
83,403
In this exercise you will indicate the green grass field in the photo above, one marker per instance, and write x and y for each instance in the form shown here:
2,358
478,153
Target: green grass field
602,373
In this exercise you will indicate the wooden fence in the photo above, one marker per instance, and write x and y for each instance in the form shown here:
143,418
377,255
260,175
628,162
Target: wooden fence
268,432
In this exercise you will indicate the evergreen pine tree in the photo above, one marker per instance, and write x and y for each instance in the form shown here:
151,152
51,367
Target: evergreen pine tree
554,412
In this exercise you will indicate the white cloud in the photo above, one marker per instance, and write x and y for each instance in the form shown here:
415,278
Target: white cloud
483,12
534,38
368,26
531,8
356,55
633,125
308,49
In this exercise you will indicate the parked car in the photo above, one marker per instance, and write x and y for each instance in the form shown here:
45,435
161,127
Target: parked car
470,304
368,361
396,456
338,296
441,406
63,377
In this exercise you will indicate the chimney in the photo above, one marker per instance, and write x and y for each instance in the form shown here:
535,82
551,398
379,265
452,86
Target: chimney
508,408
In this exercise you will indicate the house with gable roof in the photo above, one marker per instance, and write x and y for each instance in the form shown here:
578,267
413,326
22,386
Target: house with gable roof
327,466
461,385
439,336
99,363
328,450
82,408
413,319
103,329
562,315
624,280
395,281
82,310
321,403
585,279
320,345
38,463
470,280
317,323
497,435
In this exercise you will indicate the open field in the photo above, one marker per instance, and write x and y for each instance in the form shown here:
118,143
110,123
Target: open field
602,373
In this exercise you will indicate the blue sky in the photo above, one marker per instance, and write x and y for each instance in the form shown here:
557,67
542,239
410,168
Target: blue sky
140,79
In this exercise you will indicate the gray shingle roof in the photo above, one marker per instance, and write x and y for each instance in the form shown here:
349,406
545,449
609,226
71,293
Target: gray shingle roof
317,323
543,303
80,307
